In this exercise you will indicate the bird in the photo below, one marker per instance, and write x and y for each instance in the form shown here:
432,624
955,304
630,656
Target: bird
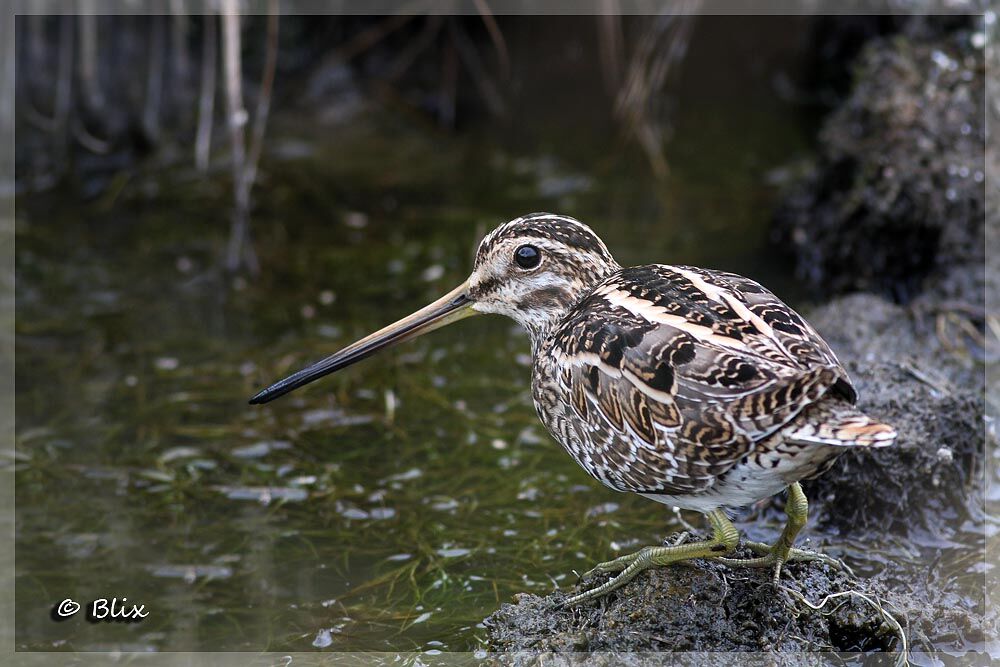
696,388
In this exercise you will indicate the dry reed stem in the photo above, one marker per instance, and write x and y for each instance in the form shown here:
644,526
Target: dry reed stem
611,44
35,60
264,97
154,80
90,88
368,38
236,120
496,36
244,162
661,46
414,48
92,98
64,89
470,58
179,25
206,97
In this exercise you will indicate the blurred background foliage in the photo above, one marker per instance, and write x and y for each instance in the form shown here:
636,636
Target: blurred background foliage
197,81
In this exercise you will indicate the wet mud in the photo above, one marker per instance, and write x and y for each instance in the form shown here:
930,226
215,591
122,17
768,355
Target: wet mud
704,606
896,194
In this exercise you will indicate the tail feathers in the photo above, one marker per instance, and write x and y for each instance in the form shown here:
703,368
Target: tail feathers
866,432
841,425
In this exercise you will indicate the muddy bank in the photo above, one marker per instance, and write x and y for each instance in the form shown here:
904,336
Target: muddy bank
895,206
703,606
918,370
896,194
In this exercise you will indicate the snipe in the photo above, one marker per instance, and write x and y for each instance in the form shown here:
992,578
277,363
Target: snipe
695,388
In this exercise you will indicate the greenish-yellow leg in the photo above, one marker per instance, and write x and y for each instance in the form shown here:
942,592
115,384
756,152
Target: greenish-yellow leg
725,537
781,552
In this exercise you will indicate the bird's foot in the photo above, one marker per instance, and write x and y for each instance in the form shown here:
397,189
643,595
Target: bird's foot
777,555
631,565
724,540
782,551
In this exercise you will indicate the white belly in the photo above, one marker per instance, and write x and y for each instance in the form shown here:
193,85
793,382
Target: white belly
759,476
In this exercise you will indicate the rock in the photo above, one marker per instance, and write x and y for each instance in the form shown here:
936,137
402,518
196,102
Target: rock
897,192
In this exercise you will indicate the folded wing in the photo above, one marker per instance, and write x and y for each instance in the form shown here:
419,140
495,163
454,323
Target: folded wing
678,371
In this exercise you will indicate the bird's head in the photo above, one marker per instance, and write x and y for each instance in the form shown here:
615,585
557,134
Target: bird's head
535,268
532,269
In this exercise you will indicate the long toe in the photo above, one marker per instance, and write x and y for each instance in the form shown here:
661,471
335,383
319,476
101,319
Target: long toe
627,575
767,557
616,565
724,540
806,555
795,554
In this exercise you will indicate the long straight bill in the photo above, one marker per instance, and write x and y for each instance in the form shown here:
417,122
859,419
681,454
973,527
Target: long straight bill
453,306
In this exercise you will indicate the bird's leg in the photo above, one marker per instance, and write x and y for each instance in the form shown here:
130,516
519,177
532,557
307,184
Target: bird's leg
725,537
781,552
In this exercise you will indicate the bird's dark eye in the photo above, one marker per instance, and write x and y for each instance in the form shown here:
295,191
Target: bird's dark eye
527,256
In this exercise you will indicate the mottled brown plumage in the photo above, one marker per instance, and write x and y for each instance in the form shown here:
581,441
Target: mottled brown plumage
662,379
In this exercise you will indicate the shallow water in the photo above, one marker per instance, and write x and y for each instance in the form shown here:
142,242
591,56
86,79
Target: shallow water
392,506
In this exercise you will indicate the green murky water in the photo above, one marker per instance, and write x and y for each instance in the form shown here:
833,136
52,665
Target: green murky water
389,507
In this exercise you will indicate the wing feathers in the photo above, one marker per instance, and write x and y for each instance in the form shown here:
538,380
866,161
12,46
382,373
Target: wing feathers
678,371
